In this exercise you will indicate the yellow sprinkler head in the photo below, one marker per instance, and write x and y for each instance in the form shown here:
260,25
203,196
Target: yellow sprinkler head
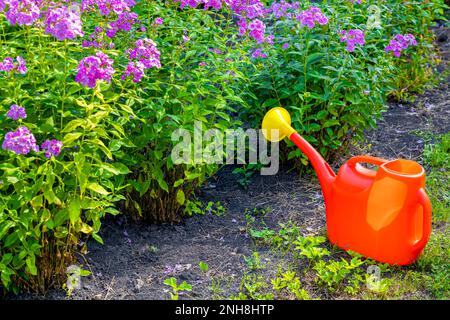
277,119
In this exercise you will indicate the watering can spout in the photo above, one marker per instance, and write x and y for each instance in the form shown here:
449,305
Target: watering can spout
276,126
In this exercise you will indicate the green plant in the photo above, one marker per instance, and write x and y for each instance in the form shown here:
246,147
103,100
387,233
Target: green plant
176,289
332,273
254,261
254,287
116,132
203,266
245,172
333,95
287,281
309,247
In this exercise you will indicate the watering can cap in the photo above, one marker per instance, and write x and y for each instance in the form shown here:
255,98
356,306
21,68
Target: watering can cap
279,120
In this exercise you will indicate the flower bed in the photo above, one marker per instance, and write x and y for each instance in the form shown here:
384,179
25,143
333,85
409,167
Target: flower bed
91,92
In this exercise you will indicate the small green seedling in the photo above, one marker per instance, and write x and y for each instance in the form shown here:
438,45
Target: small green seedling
172,282
203,267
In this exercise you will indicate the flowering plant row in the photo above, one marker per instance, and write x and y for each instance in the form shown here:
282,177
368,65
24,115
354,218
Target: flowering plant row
92,90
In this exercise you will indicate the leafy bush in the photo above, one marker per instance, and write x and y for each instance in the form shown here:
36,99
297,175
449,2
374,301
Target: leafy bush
198,81
334,68
102,91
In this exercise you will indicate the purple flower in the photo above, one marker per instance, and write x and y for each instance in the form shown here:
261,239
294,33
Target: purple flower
247,8
8,65
93,68
312,16
63,23
124,22
159,21
285,45
143,56
146,52
352,38
257,29
107,6
258,54
21,141
242,24
52,148
202,64
15,112
216,51
135,69
216,4
269,39
23,12
2,5
400,43
21,65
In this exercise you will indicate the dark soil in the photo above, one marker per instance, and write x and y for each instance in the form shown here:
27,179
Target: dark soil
137,258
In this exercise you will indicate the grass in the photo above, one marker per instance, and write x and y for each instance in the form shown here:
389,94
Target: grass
310,268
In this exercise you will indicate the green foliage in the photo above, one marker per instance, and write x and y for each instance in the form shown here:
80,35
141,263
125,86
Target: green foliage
176,289
288,285
334,95
117,137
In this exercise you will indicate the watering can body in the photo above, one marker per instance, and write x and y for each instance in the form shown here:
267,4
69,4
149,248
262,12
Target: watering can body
382,214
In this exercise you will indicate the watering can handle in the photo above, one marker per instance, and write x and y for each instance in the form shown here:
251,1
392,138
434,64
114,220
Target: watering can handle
366,159
424,201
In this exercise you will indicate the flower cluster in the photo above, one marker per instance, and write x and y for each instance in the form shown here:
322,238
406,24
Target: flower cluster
284,9
257,29
107,6
250,9
63,23
22,12
52,148
21,141
8,65
159,21
400,43
352,38
143,56
98,40
312,16
93,68
125,22
16,112
259,54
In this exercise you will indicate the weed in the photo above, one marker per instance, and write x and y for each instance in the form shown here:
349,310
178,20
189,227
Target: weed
176,289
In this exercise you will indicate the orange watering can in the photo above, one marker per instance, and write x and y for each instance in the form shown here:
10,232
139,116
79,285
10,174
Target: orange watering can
384,215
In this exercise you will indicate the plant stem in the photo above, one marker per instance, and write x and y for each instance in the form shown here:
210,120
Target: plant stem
64,83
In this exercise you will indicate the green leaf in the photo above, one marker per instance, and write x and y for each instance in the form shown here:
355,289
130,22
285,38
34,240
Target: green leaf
74,210
180,197
203,266
71,137
171,282
31,265
5,226
97,188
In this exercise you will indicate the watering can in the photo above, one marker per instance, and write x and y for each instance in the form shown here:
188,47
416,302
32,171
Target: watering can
384,214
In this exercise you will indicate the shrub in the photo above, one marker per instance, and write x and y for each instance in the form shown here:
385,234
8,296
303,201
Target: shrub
332,66
102,92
